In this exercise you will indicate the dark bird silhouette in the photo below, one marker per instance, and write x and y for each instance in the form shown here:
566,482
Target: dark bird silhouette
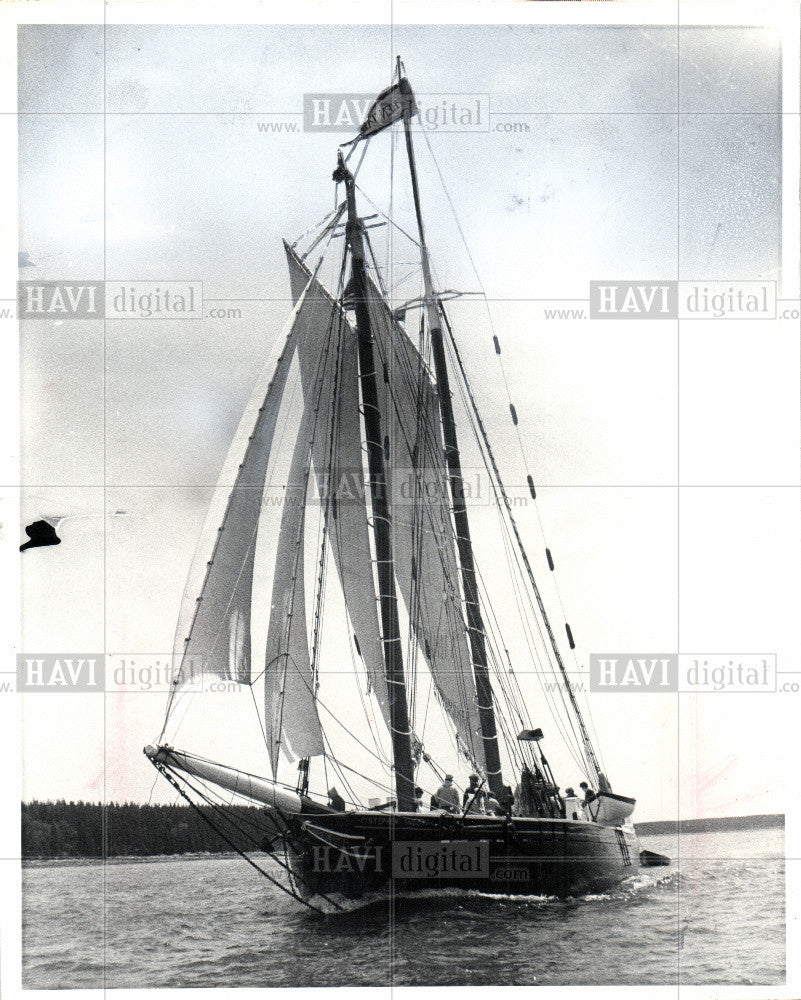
40,533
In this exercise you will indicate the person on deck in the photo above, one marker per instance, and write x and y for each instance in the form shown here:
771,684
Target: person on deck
473,796
573,808
418,798
491,805
446,796
335,800
589,794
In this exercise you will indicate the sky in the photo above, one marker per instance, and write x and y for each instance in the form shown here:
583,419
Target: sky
665,456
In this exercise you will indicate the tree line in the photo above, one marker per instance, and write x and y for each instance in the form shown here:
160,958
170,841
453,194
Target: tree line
91,830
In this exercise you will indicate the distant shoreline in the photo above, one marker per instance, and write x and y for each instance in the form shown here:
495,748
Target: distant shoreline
60,831
761,821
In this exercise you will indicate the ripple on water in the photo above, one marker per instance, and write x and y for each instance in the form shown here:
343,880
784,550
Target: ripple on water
212,922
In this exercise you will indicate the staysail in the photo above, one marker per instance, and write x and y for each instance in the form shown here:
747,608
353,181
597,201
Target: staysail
290,710
213,633
337,459
219,598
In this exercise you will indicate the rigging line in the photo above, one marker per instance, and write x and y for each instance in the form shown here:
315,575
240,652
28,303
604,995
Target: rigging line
322,222
240,852
410,274
585,735
330,229
515,708
368,714
487,604
522,594
205,793
389,219
339,722
353,798
372,781
524,618
358,166
503,372
256,706
574,746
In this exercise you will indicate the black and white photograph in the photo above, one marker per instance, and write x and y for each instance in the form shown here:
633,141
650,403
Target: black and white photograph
401,513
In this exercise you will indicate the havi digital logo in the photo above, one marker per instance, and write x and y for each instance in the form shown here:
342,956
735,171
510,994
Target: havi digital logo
55,672
633,672
634,299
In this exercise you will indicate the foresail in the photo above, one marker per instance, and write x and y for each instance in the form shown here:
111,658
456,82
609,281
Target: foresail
213,633
291,720
424,540
337,458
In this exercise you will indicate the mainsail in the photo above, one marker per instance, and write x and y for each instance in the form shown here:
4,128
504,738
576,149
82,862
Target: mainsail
424,543
424,539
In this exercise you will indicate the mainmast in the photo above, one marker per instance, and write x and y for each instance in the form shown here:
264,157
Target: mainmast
382,526
475,624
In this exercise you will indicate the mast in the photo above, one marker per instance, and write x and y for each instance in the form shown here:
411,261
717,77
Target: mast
400,728
475,624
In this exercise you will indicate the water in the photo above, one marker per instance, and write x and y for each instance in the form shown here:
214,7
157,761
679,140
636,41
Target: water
718,917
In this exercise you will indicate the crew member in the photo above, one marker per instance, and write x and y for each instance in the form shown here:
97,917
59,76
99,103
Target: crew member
473,796
446,796
573,808
335,800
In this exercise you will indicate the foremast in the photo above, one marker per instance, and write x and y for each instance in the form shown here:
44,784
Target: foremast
400,729
475,623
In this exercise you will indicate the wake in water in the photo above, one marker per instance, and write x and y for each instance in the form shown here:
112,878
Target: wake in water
434,899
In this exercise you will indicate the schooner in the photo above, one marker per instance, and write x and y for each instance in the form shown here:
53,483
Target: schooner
358,411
